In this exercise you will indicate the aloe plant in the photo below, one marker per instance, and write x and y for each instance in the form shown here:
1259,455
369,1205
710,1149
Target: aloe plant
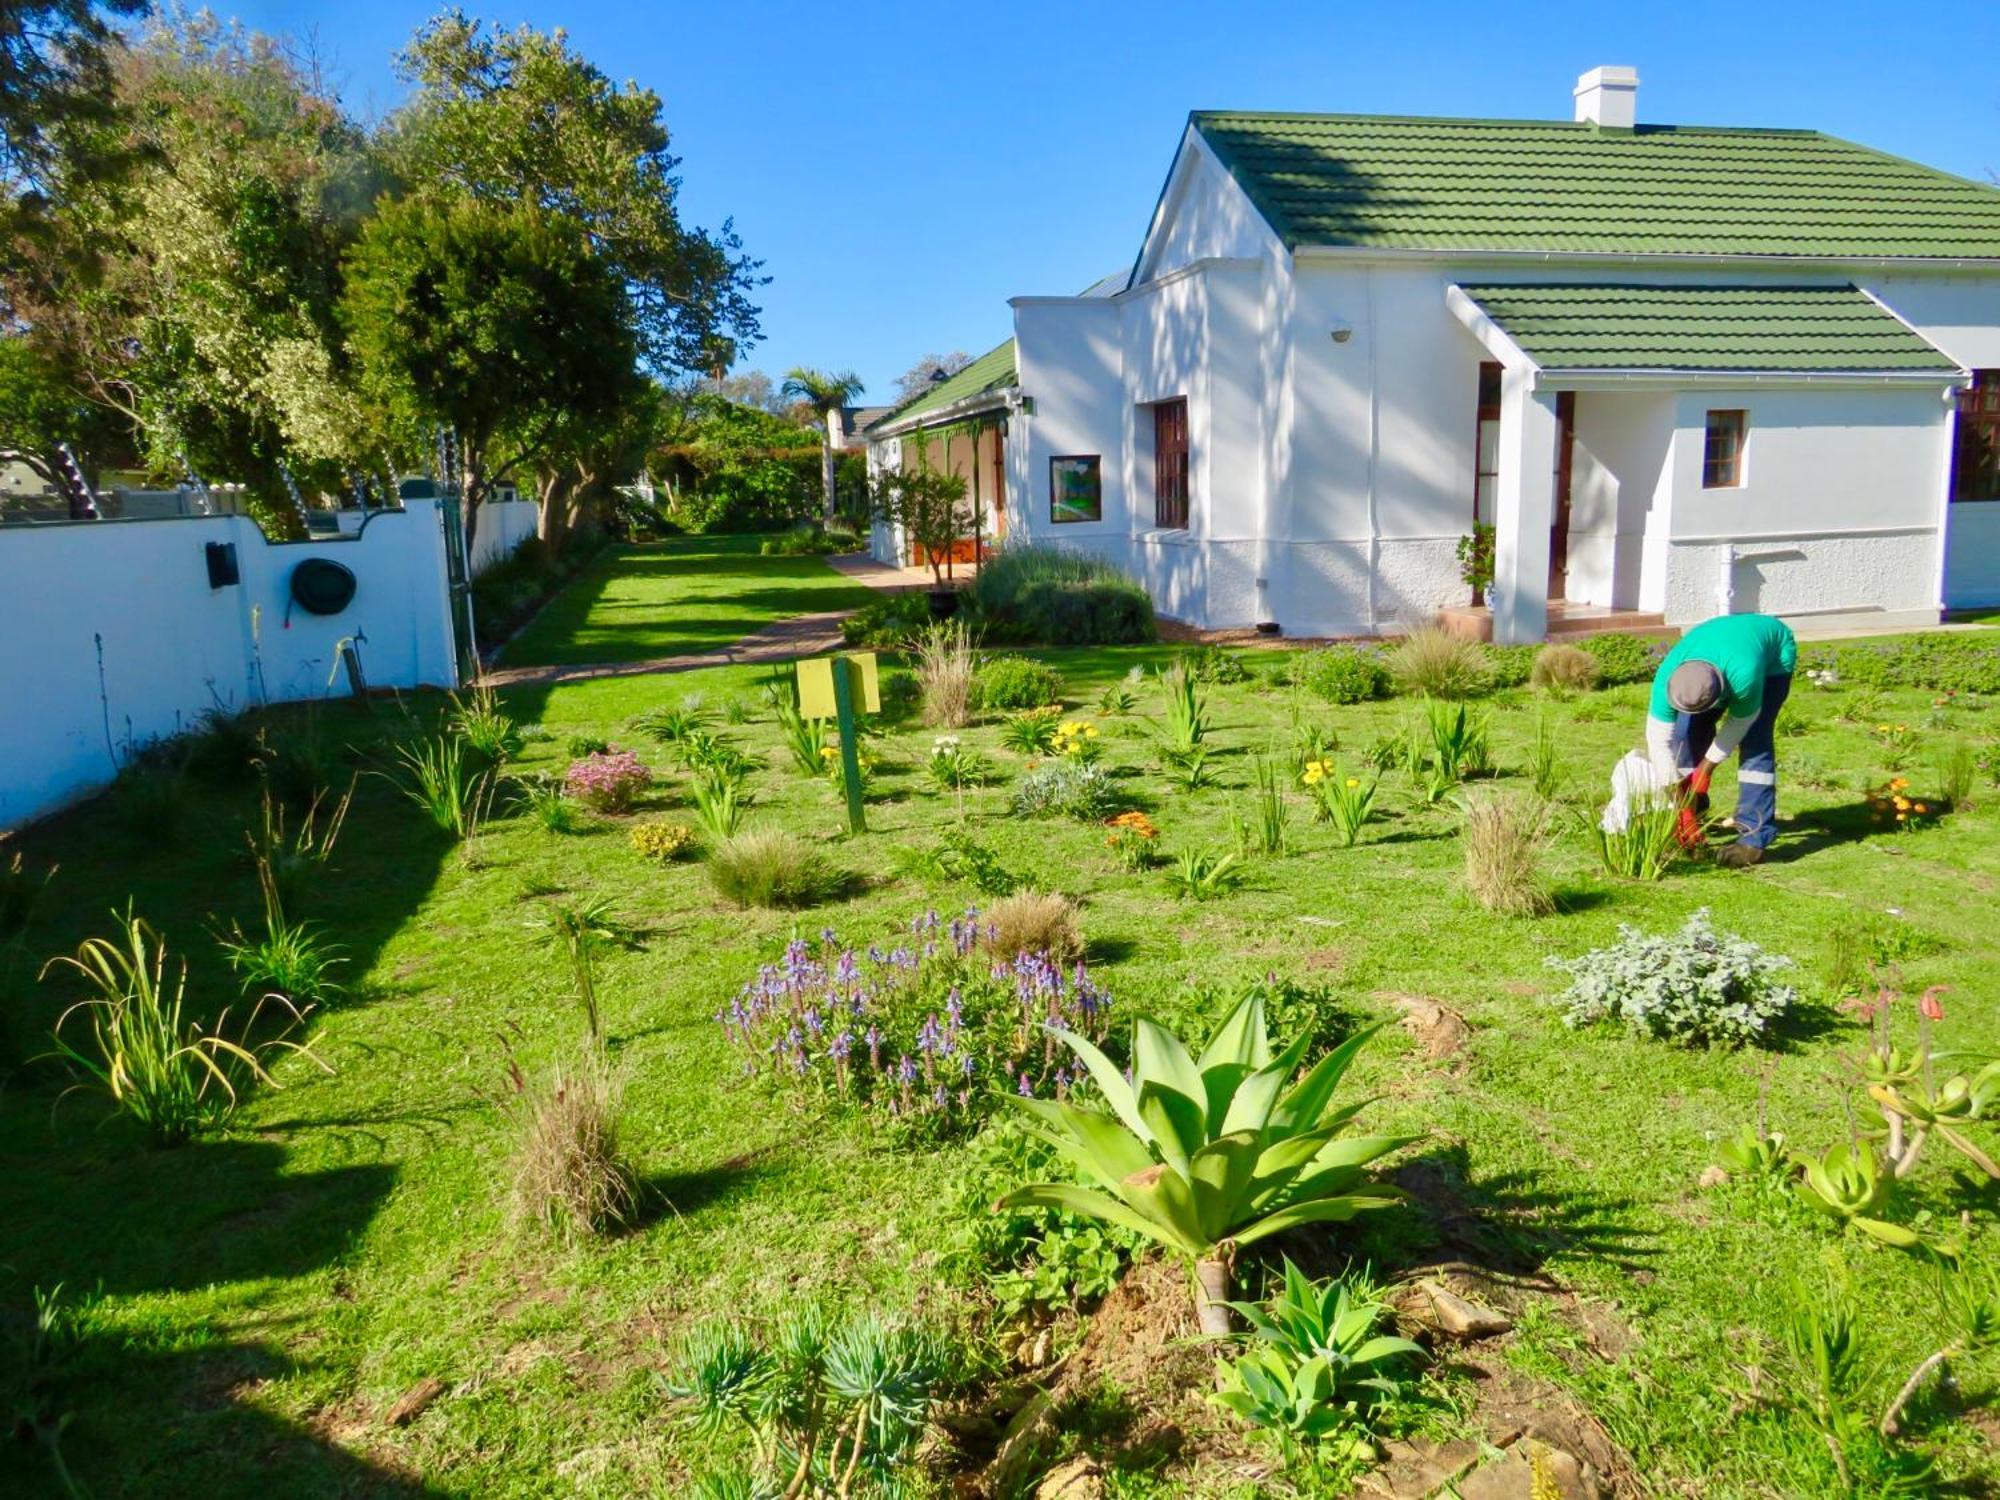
1206,1155
1846,1184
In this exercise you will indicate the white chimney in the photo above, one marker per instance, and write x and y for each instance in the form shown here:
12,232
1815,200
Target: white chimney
1608,97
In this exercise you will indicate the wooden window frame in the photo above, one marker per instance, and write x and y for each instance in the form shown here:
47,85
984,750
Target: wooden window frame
1172,481
1976,434
1486,465
1724,471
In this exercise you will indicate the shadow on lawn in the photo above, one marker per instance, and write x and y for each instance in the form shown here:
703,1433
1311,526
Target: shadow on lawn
1823,828
1513,1222
674,1195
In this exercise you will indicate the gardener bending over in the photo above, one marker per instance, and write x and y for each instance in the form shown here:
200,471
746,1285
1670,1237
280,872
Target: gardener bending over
1718,690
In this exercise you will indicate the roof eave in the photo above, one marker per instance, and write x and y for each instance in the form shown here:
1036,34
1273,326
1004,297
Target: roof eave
1001,398
1660,258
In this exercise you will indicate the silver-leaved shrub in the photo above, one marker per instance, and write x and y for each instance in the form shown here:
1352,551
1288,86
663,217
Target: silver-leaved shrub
1696,985
1069,786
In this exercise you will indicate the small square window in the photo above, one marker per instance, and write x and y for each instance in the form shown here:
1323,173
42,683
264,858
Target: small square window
1722,450
1076,488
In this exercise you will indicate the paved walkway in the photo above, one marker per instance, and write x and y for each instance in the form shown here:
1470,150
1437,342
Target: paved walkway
787,640
889,578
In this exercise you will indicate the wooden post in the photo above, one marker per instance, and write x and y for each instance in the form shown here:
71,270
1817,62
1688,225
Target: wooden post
850,748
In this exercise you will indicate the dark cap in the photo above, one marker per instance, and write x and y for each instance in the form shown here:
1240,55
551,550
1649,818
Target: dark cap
1695,687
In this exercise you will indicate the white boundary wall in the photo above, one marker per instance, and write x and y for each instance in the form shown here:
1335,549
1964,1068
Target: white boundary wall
110,636
500,527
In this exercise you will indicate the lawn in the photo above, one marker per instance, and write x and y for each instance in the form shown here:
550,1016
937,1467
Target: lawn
246,1311
679,597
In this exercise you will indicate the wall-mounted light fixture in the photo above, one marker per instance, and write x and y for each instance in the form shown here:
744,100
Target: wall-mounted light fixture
1342,332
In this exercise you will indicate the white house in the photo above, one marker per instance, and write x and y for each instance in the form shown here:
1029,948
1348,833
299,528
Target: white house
1678,369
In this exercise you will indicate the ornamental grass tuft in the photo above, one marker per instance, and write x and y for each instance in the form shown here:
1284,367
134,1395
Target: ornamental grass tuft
1503,839
772,868
1431,662
569,1175
1033,922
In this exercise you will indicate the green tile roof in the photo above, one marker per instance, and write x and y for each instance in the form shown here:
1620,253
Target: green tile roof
1576,326
1436,184
992,372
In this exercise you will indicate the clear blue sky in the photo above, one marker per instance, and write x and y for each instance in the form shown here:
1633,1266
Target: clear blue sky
903,169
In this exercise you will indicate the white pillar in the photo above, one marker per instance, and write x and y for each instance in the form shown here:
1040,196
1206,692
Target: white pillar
1524,510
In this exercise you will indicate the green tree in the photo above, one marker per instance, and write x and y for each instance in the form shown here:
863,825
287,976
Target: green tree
826,394
498,322
40,408
54,75
519,117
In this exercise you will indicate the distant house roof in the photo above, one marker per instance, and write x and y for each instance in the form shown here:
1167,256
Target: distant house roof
1443,184
990,376
1577,326
856,420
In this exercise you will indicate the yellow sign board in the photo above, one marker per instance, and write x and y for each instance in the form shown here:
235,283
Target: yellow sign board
816,686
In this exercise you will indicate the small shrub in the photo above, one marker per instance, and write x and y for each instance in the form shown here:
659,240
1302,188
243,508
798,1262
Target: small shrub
771,868
1203,874
580,931
1622,658
1347,802
1076,739
720,801
1187,769
491,734
1007,682
1956,771
1184,719
890,620
1948,662
944,673
1696,986
547,803
300,769
20,893
569,1175
173,1075
1053,596
805,739
608,782
1033,922
1460,746
957,855
1073,788
223,747
1340,674
661,841
1132,840
1503,842
672,725
447,782
1214,664
1509,666
584,745
1433,663
954,765
1032,732
1561,669
1120,697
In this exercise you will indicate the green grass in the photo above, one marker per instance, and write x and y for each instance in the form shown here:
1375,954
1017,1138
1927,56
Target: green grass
676,598
261,1298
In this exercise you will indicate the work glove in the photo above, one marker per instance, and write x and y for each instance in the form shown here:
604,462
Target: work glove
1694,802
1688,829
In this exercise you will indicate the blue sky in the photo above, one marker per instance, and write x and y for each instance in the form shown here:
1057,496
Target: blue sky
903,169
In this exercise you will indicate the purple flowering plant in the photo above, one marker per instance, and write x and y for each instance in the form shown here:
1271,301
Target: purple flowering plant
609,781
929,1029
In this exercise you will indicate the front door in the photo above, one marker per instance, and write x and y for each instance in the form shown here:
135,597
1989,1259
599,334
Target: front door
1559,513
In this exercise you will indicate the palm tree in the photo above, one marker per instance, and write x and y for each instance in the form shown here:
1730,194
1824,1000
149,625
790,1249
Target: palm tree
826,394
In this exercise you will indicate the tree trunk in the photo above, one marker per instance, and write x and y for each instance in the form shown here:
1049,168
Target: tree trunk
1212,1287
552,492
826,459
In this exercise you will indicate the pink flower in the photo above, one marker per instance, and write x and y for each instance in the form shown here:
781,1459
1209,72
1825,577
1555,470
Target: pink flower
1928,1004
608,782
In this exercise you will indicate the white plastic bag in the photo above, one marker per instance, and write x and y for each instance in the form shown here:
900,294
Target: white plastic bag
1636,784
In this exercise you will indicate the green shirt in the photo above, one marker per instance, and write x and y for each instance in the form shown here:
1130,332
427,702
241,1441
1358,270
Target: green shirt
1745,649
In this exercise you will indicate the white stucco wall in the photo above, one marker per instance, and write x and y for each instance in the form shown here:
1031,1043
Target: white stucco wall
1203,215
114,638
498,528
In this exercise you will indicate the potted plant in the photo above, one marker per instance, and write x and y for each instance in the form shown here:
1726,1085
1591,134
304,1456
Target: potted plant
929,507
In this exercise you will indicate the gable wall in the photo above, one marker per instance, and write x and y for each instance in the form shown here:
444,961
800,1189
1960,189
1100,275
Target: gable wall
1203,215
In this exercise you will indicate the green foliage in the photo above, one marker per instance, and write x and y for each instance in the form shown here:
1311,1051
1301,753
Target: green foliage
1502,838
1073,788
1347,802
1649,845
1317,1366
1476,555
1010,682
446,782
1031,732
959,855
1460,746
824,1403
1204,874
173,1075
737,469
1214,664
570,1176
1956,771
944,672
805,739
1845,1183
1267,829
1934,662
1431,662
887,620
1188,769
720,801
1118,697
929,508
1193,1153
288,958
1622,658
1184,712
150,803
507,592
1756,1156
548,804
489,733
772,868
1052,596
1545,768
953,765
1696,986
1340,674
1510,666
678,723
581,931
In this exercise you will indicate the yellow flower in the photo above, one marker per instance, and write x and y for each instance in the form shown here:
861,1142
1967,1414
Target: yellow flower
1902,802
1090,730
1921,808
1313,775
1902,817
1354,781
1881,728
1902,729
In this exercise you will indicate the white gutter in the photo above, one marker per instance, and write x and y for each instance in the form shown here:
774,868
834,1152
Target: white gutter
1008,398
1651,377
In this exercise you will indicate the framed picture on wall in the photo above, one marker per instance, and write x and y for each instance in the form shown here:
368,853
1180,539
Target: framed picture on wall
1076,488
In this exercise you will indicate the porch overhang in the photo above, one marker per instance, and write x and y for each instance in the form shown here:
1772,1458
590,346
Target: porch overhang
1622,335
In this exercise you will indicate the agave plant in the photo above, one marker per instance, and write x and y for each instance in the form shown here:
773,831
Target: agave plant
1206,1155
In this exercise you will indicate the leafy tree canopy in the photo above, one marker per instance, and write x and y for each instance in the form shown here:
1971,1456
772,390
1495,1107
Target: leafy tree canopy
927,371
518,116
